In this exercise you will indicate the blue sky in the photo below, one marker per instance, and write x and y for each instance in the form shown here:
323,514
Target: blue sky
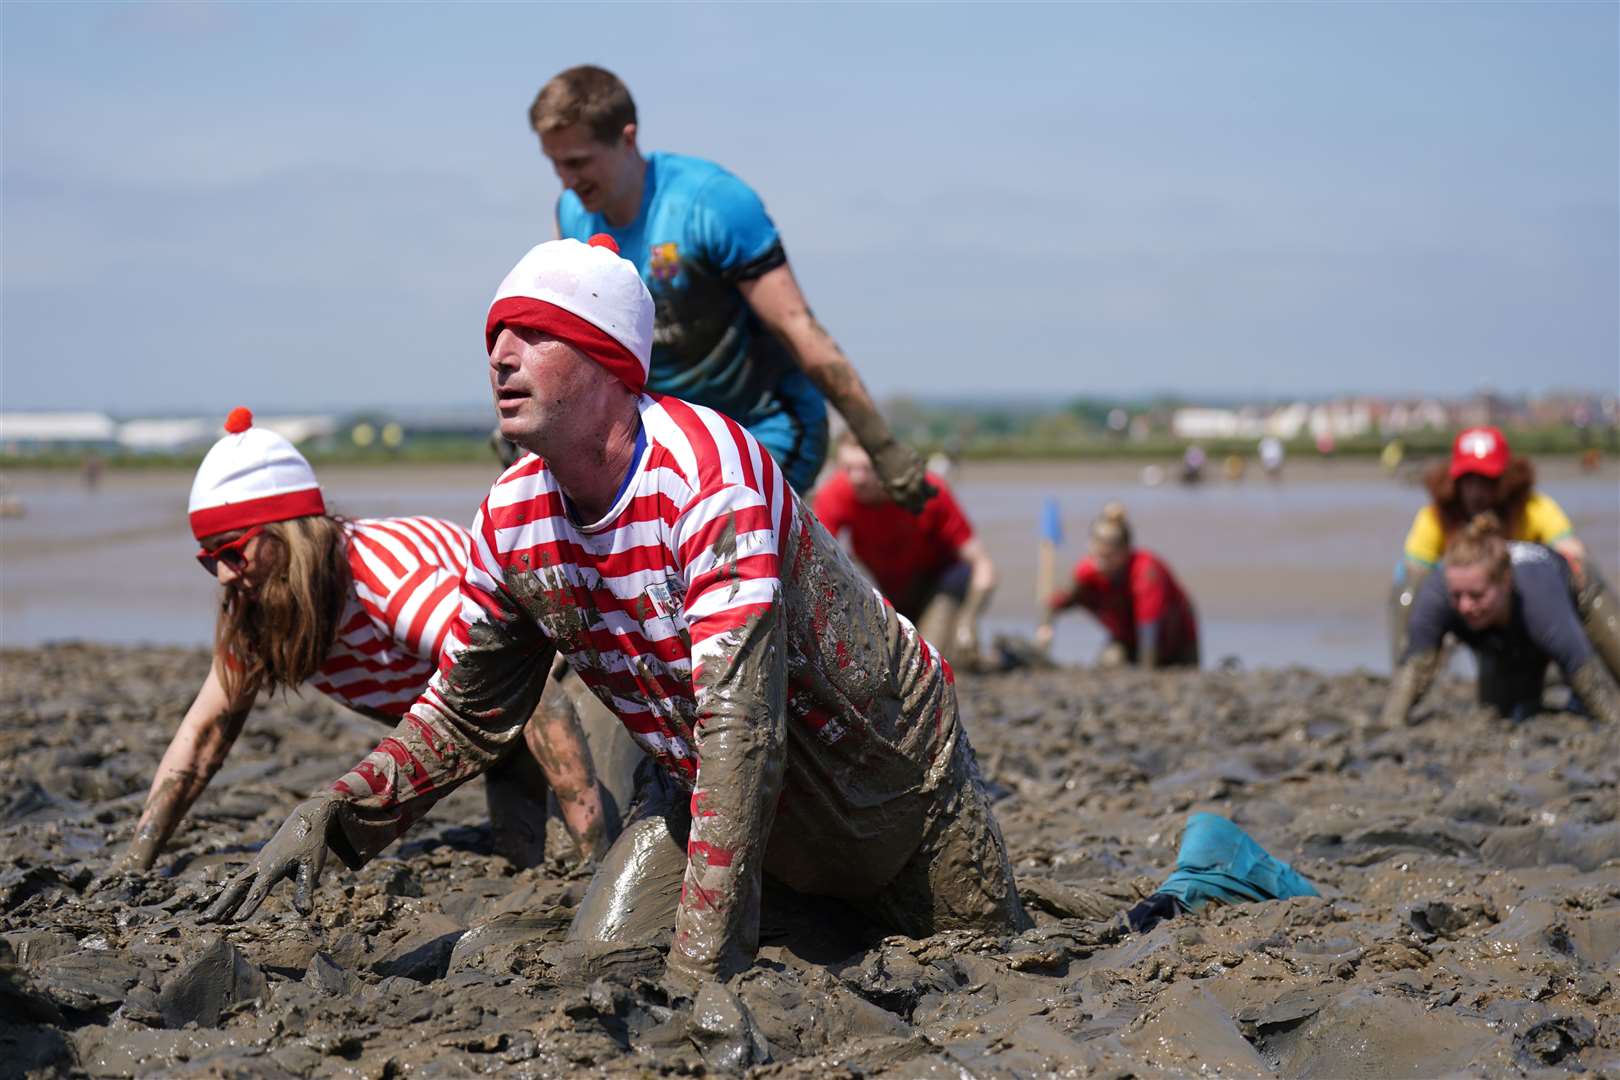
309,206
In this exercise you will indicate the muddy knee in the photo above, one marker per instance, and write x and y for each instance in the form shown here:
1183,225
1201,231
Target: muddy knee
632,897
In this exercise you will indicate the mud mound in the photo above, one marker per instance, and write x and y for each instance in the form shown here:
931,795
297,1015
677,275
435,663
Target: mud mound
1470,918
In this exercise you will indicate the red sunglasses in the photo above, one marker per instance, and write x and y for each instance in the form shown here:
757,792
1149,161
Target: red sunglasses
232,554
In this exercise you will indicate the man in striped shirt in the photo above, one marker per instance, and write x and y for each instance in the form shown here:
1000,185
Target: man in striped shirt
803,728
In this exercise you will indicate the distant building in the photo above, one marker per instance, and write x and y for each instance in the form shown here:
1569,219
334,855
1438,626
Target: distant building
35,432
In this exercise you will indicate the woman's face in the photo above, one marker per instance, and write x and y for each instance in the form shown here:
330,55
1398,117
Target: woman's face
1109,559
1476,493
1482,600
237,565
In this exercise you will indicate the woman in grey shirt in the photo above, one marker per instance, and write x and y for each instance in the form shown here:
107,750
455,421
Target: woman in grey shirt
1513,604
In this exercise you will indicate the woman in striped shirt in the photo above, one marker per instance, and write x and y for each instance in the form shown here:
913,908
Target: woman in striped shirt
360,610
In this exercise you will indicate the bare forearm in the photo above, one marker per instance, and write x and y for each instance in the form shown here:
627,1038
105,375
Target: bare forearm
193,757
554,738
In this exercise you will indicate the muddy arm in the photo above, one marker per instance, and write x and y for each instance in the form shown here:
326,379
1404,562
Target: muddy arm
195,754
729,552
741,689
780,305
1597,691
492,670
471,716
1406,689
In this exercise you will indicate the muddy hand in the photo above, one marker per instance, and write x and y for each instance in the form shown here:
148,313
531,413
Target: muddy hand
143,848
902,473
297,850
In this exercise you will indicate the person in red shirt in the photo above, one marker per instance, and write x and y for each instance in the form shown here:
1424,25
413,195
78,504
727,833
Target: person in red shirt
930,565
1148,616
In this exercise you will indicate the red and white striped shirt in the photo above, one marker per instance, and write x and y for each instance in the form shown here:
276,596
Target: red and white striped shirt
405,595
735,639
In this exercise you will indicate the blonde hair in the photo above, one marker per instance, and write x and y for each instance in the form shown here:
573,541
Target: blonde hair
281,635
1481,541
1111,528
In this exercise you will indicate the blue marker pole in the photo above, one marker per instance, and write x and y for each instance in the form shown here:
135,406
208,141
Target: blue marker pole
1051,536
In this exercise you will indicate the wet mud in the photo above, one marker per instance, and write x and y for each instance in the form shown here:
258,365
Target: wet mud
1469,920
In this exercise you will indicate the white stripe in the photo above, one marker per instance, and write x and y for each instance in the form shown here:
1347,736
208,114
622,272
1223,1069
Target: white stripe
739,593
662,429
751,543
731,466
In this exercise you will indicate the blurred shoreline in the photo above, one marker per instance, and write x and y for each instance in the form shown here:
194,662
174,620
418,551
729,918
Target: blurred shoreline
1295,571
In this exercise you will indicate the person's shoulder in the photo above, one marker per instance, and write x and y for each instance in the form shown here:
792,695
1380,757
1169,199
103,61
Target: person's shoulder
1545,520
706,447
687,170
1522,553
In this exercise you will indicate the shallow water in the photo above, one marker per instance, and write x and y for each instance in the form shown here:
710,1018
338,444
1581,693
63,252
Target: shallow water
1289,573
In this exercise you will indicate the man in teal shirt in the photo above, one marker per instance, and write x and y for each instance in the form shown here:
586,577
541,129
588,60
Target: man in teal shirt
732,330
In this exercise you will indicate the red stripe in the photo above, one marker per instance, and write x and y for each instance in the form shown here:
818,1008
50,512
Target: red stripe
534,314
710,475
391,528
444,632
402,596
722,621
714,856
213,520
742,452
430,607
742,519
382,554
415,772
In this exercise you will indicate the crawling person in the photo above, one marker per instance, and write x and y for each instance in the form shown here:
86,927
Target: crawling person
930,565
797,725
1483,475
1512,604
1147,614
360,611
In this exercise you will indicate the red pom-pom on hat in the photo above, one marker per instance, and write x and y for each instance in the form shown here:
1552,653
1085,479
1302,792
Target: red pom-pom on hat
239,420
603,240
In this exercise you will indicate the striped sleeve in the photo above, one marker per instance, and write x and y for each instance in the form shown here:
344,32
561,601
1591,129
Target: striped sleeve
491,674
727,547
407,575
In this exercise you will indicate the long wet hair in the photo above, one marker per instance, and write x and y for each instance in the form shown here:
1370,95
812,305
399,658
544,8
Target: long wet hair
1481,541
1513,490
1111,527
282,634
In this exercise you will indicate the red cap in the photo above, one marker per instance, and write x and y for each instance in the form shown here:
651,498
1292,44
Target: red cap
1479,450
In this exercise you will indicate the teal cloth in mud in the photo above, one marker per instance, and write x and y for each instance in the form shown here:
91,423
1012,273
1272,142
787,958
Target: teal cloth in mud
1219,861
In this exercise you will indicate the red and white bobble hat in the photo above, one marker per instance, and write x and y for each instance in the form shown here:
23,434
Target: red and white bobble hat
251,477
585,294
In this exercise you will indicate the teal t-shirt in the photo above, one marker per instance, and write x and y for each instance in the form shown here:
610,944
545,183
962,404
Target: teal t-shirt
700,232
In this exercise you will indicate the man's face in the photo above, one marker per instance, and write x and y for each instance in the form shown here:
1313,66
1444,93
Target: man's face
1481,600
595,171
1109,559
863,479
544,387
1476,493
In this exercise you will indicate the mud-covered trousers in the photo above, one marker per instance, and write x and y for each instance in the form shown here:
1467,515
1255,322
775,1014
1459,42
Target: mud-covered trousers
957,878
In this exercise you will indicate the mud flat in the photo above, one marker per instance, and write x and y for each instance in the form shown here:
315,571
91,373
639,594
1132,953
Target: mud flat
1469,924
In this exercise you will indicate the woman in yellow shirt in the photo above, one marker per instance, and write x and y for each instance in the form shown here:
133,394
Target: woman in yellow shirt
1484,476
